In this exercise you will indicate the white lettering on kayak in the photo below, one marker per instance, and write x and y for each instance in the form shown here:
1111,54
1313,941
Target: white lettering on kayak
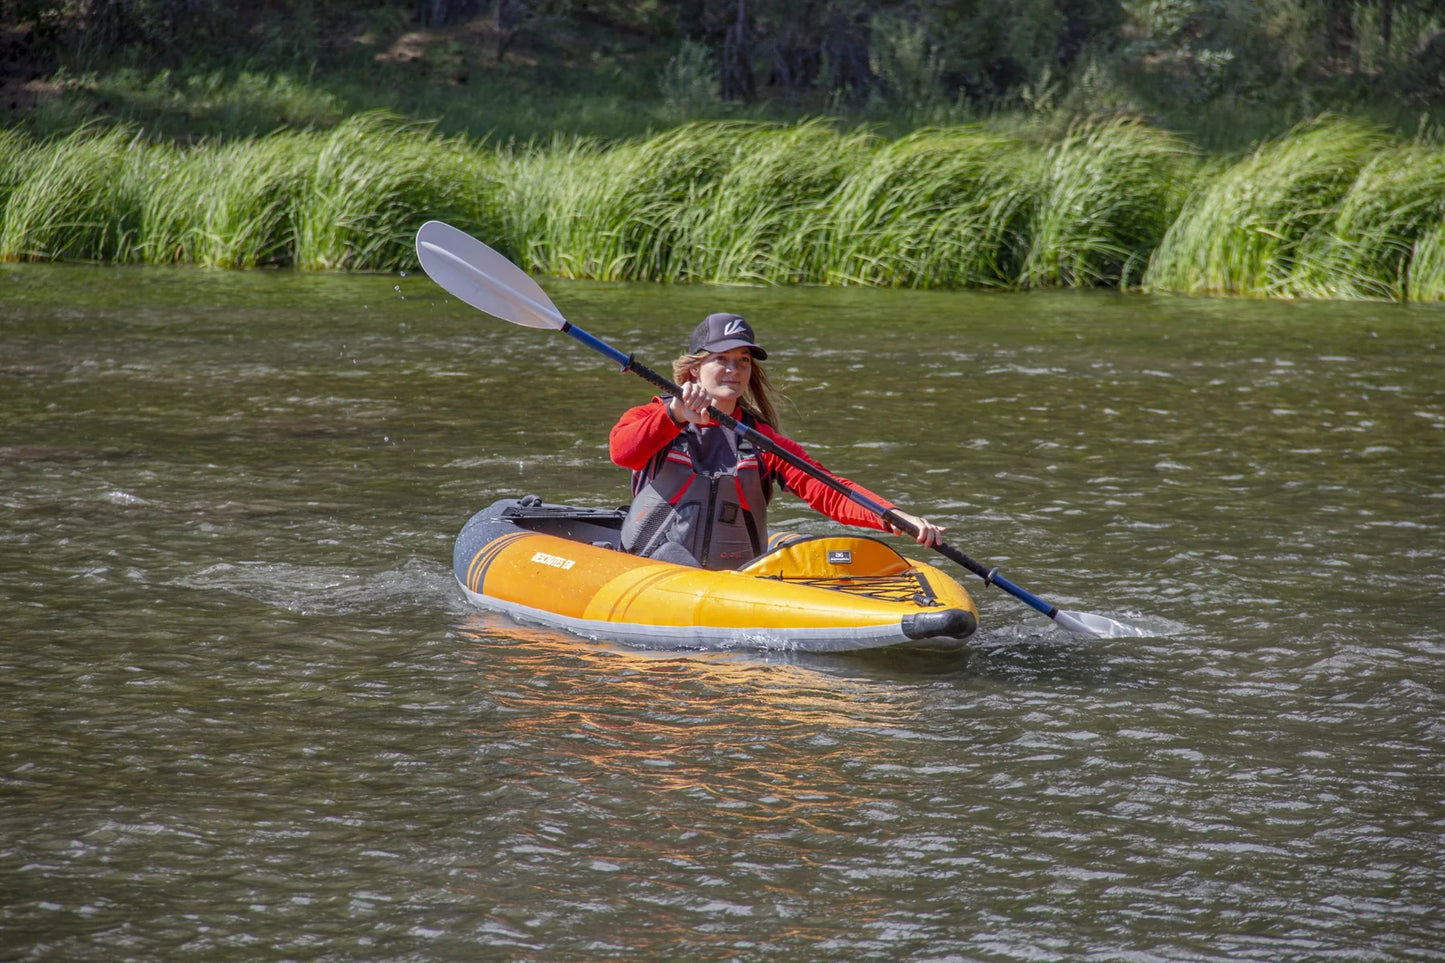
556,561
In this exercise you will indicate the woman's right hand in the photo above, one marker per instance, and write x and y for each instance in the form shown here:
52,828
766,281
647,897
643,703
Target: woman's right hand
925,532
692,406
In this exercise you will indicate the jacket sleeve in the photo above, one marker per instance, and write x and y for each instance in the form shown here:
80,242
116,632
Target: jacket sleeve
641,433
835,505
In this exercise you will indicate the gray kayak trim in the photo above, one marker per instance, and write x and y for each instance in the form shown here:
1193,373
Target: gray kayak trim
708,637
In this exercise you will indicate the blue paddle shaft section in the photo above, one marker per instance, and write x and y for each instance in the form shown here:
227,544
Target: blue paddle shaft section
597,344
991,577
1024,596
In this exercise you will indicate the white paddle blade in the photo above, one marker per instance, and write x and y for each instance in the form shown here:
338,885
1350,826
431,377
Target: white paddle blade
1099,625
468,269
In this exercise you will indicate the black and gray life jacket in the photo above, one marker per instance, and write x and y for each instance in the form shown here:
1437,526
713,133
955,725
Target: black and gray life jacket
703,500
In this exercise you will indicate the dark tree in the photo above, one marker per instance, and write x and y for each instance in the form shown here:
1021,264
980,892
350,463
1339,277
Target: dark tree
737,59
444,13
1340,30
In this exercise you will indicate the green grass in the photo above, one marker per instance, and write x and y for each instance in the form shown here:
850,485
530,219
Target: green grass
1370,247
1253,227
1427,266
1334,209
774,203
941,207
351,197
78,198
228,205
1107,194
371,182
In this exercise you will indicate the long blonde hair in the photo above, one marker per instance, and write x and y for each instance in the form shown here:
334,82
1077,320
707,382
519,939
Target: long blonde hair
756,401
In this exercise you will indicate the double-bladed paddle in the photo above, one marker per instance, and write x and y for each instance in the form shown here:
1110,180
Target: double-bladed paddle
486,280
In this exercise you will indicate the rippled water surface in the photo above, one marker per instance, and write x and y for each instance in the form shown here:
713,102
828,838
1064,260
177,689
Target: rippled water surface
247,716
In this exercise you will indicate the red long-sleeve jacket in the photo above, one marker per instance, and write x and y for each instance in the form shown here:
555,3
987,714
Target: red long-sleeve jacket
643,431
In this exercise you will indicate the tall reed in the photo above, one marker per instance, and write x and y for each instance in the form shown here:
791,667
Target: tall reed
1107,194
371,182
17,156
349,198
652,209
1248,229
937,208
582,209
752,222
229,205
1427,266
79,198
251,192
1369,248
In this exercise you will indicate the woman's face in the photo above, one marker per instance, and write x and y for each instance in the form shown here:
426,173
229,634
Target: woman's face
725,376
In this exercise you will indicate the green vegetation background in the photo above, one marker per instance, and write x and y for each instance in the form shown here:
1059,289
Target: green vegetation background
1278,148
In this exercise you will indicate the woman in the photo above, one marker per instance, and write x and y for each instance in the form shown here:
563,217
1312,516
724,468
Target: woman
700,491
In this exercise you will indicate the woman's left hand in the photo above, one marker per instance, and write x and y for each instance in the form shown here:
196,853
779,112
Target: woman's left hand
929,534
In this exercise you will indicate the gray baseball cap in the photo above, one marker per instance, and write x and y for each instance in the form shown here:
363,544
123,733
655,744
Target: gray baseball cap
723,332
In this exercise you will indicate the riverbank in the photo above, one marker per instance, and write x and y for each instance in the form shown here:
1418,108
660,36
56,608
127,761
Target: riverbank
1335,209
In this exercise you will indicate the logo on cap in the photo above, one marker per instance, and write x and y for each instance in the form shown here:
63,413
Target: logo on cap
735,326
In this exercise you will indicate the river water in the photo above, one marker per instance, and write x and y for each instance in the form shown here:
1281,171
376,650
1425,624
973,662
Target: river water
246,714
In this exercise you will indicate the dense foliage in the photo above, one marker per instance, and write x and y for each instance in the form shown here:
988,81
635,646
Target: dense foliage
1208,68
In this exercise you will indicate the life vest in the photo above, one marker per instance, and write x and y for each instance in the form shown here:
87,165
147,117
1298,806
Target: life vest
703,500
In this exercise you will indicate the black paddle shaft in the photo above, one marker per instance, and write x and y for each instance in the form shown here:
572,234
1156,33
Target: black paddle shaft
889,515
481,277
767,444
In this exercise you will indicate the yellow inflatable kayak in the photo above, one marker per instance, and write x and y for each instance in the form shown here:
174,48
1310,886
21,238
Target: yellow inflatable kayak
561,566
